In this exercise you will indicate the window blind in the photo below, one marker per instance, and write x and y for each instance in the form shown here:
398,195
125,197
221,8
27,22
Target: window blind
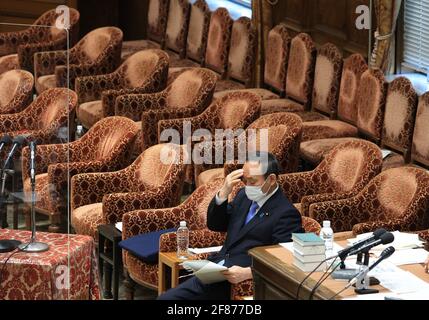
416,35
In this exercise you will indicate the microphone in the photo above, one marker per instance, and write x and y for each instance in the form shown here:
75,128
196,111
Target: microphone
386,238
33,162
375,236
17,142
384,255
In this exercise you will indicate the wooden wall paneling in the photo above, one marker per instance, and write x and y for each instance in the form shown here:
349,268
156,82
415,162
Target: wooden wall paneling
326,21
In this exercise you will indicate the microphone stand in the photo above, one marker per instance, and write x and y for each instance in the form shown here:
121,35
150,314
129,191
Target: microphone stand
33,246
6,245
363,280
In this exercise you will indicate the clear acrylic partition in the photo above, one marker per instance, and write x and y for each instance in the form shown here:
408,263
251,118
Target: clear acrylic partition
35,210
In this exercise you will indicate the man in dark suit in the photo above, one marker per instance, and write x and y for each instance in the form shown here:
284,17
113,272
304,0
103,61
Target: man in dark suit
260,215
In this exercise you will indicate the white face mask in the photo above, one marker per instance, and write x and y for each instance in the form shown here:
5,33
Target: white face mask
255,193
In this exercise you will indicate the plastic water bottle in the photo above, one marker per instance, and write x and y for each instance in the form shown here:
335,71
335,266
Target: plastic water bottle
327,235
182,236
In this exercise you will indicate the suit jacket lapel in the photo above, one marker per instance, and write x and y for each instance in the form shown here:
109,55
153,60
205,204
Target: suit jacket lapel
262,214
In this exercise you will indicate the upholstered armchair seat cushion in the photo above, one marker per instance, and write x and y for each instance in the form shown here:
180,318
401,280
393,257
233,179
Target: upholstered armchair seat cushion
326,129
9,62
86,219
179,65
314,151
89,113
280,105
263,93
131,47
228,84
309,116
46,82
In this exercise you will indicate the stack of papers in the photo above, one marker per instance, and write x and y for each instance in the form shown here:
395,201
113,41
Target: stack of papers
118,226
402,241
206,271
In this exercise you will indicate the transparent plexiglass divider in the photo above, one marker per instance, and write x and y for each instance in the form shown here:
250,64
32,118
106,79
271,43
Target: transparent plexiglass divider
32,140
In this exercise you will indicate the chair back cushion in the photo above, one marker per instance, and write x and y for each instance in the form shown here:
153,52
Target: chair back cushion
155,166
52,108
177,25
399,193
141,66
218,41
190,88
276,57
235,109
300,73
420,149
95,43
327,76
199,22
242,50
370,103
399,116
353,68
157,19
15,85
349,166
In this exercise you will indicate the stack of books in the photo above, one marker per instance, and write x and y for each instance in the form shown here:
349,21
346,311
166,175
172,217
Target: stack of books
308,251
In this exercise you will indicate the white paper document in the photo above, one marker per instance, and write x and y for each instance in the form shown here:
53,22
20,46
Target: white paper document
409,256
118,226
206,271
402,241
205,250
402,282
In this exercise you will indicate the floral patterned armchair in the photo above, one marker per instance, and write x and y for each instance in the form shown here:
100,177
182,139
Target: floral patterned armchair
370,102
276,65
99,52
157,16
235,111
327,78
420,149
241,58
16,91
218,43
177,28
188,95
196,42
193,210
18,48
284,137
346,124
397,133
148,183
397,199
299,78
43,119
144,72
346,170
105,147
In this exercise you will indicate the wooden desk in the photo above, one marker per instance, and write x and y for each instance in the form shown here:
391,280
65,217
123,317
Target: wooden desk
276,278
168,259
